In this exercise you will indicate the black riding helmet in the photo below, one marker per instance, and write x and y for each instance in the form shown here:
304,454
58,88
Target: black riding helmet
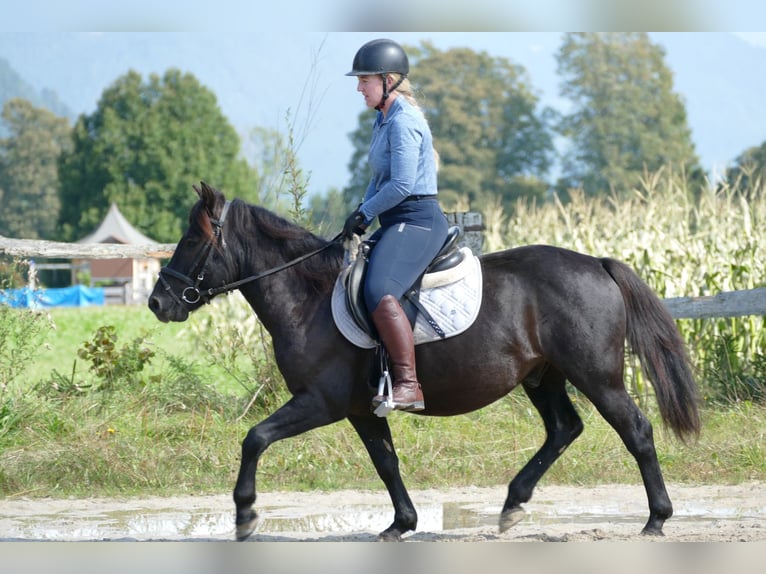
381,57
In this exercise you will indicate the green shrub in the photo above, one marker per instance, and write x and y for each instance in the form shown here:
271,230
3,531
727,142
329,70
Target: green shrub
113,365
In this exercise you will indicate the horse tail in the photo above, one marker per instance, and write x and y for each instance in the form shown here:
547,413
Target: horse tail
653,336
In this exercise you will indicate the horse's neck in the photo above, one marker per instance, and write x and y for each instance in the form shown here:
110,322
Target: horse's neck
281,300
274,299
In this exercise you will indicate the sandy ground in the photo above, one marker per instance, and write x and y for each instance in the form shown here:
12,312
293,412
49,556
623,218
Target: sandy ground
556,513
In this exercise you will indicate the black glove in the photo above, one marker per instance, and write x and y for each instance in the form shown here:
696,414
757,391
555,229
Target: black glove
354,224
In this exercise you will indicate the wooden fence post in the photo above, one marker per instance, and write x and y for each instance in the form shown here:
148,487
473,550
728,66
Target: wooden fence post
472,227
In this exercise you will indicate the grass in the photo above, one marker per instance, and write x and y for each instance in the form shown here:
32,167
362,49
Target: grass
177,429
133,445
75,326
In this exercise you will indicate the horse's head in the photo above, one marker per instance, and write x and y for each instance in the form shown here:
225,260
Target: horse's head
198,263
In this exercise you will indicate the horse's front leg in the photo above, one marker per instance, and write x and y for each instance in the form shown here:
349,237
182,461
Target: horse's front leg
301,413
376,436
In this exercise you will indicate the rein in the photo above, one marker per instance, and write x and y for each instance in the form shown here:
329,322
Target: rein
231,286
192,294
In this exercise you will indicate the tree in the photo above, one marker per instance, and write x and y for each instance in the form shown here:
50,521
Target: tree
283,183
625,119
143,148
29,184
749,170
328,212
492,140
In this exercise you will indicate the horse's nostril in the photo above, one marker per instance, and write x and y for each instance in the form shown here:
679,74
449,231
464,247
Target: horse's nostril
154,304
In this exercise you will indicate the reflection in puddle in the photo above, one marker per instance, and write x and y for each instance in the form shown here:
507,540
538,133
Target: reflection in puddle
212,523
458,515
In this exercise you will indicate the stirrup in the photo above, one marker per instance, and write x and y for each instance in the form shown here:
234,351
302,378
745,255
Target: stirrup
387,405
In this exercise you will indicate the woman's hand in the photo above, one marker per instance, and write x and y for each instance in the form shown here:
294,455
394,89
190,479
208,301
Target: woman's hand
354,225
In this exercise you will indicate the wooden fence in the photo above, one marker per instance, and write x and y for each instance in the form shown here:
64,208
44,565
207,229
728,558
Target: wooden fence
727,304
30,249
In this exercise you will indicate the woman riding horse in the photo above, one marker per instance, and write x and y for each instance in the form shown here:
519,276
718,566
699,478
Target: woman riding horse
402,195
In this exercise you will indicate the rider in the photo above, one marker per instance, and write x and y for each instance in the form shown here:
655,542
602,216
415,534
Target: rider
402,195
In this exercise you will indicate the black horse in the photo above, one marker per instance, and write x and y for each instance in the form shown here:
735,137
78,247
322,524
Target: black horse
548,316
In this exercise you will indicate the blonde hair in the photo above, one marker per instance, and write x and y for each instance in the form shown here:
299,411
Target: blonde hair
404,88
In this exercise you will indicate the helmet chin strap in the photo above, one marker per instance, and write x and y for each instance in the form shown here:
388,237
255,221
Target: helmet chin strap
386,91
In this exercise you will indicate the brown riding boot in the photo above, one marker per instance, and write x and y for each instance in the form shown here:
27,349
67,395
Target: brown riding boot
396,335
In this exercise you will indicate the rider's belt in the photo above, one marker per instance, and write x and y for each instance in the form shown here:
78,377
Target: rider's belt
419,197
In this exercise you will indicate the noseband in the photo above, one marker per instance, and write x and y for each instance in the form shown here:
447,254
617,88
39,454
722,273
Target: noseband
192,295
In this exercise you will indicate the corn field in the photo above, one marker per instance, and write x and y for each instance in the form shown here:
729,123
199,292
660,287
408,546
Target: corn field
682,247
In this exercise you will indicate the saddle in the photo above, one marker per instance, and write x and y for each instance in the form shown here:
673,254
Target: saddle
449,257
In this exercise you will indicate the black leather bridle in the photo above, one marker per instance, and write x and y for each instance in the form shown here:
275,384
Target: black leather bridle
191,295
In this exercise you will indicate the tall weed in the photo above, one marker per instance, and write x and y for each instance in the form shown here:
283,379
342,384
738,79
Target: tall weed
22,333
233,338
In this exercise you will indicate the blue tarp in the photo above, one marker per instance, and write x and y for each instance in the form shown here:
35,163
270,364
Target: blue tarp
75,296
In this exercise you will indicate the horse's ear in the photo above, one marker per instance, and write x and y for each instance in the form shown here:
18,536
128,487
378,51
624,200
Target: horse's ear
209,196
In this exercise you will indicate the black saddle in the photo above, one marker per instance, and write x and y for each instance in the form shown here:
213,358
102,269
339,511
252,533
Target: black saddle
449,256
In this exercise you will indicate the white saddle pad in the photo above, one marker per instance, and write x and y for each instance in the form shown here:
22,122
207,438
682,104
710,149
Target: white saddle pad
454,305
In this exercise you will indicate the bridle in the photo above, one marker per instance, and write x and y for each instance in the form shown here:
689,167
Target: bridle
191,295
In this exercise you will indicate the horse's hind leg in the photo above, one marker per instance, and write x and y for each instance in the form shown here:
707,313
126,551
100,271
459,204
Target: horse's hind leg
376,436
562,426
619,410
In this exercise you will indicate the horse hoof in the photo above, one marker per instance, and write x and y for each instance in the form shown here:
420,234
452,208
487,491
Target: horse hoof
389,536
509,518
245,529
652,532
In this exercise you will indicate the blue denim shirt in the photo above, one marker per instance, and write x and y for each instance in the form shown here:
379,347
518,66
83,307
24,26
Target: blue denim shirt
401,157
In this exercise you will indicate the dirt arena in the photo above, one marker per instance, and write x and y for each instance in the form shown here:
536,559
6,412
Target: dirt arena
556,513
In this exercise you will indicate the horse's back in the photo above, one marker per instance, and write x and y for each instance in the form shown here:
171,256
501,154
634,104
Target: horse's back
541,305
540,260
558,279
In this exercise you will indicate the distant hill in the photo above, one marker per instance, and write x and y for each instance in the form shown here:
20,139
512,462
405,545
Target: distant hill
12,85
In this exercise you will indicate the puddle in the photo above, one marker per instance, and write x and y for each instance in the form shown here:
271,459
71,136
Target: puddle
457,515
213,523
202,523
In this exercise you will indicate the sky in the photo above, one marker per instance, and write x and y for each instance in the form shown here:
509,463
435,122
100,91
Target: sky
299,64
401,15
271,78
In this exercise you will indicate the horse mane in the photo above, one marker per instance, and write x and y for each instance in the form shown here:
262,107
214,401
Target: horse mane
294,241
